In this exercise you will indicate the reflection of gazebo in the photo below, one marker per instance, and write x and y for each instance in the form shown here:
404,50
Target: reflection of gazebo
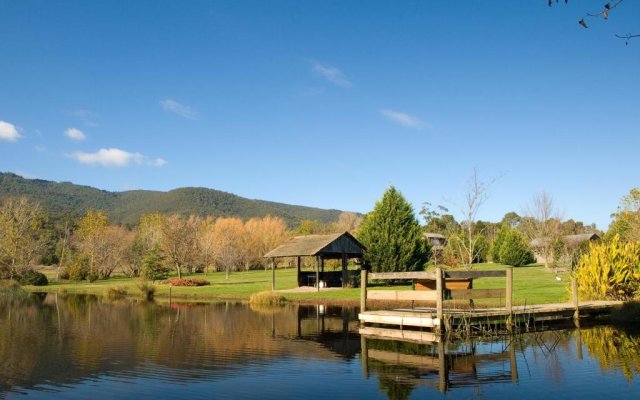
337,246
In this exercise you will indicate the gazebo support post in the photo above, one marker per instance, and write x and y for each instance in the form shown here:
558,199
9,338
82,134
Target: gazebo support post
344,270
318,263
273,274
298,262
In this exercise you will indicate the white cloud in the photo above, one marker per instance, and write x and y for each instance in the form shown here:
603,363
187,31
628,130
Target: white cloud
331,74
9,132
179,109
113,157
75,134
403,119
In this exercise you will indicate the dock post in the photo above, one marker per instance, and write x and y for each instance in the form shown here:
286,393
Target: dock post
363,290
364,356
508,299
443,373
575,300
512,361
439,299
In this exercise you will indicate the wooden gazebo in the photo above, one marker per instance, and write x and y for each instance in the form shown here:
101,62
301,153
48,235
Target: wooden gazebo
337,246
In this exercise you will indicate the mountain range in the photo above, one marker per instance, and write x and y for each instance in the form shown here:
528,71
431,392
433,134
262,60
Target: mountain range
62,199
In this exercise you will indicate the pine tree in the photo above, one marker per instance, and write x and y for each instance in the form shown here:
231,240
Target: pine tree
392,236
497,243
153,267
515,250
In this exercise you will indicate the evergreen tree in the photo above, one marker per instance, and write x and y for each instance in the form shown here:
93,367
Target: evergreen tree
497,243
392,236
153,265
515,250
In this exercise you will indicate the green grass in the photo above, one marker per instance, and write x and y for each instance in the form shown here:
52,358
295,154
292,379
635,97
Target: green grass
532,285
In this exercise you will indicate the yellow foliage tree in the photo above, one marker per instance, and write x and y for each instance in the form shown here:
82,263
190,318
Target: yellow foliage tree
21,237
609,270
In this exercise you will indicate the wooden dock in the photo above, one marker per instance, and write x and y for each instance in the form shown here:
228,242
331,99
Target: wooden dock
440,318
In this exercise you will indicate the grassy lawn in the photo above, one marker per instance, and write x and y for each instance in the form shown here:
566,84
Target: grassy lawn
531,285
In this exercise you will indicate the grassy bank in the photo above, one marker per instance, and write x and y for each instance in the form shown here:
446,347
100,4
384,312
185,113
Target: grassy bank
532,285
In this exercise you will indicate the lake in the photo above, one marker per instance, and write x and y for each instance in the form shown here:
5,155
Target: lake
78,347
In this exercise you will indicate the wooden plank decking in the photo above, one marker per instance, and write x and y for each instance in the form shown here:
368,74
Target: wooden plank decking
441,318
426,317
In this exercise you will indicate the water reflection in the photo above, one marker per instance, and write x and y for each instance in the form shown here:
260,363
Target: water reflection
56,344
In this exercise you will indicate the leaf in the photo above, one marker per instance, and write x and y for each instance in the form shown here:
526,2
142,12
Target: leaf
584,24
605,15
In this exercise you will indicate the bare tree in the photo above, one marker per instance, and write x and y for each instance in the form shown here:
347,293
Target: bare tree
542,225
603,14
348,222
466,240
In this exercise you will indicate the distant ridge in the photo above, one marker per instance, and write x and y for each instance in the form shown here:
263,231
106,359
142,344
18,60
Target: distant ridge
65,198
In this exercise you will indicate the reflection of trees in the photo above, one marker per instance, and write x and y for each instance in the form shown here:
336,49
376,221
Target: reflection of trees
613,349
395,389
70,338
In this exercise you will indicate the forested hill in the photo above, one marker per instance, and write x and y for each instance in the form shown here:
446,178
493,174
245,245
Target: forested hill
64,198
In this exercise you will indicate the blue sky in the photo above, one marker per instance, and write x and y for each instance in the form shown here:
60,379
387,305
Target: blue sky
326,103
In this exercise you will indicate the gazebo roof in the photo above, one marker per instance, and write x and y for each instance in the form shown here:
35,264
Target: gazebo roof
332,245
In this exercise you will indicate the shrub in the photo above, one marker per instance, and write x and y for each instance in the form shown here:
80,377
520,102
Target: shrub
116,292
12,293
609,270
35,278
267,299
186,282
79,269
147,289
514,250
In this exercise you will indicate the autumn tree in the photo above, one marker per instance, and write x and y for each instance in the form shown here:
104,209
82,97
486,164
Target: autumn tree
21,235
179,241
228,243
147,237
206,242
262,235
392,236
90,239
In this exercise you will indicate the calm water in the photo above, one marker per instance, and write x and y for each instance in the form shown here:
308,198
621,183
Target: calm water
87,347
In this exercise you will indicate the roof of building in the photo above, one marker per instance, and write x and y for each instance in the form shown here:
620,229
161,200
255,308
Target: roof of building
571,240
333,245
431,235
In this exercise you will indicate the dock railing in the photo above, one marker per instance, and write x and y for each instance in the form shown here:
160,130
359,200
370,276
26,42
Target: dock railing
442,292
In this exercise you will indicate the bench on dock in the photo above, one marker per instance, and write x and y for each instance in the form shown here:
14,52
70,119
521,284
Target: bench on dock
437,286
448,285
